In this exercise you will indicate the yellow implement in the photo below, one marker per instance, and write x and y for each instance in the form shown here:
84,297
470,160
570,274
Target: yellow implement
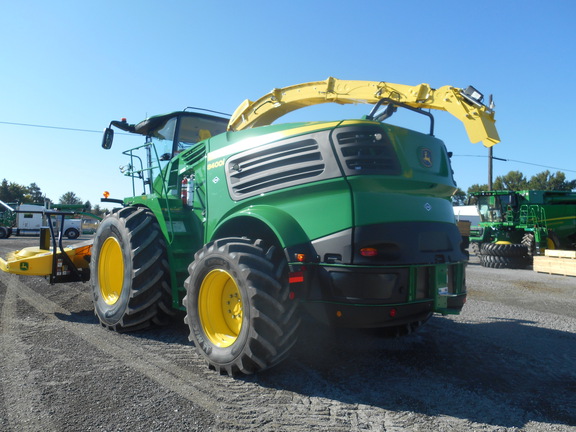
464,104
34,261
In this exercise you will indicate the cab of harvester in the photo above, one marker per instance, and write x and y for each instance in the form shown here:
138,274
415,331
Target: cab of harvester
166,135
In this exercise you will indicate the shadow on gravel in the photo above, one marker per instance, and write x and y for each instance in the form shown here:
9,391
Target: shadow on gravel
506,373
173,331
84,317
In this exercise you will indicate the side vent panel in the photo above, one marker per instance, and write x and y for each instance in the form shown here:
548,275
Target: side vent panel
275,166
194,154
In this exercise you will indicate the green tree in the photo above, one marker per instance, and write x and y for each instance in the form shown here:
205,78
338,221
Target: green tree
98,211
70,198
513,181
539,181
13,193
35,194
477,188
459,198
547,181
4,194
558,182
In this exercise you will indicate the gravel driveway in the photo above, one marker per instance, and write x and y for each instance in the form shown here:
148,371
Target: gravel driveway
507,363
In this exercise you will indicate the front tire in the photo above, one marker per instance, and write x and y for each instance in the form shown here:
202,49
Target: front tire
238,307
129,271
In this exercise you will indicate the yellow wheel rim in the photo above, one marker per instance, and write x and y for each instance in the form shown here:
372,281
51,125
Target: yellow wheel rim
220,308
111,270
550,243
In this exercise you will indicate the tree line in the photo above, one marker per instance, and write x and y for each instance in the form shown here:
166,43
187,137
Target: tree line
13,193
515,181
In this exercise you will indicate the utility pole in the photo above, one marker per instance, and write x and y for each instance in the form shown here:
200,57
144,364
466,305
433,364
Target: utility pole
490,160
489,168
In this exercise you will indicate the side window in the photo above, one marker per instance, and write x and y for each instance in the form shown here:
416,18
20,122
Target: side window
163,139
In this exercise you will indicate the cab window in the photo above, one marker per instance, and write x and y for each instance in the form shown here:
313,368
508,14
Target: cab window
163,139
195,129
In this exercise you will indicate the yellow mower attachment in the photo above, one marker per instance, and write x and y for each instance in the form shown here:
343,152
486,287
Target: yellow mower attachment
68,265
58,263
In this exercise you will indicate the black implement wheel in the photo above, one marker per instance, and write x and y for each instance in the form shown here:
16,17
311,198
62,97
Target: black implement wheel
499,262
129,271
238,306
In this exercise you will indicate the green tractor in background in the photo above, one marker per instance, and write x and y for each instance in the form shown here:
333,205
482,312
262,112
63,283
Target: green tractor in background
516,225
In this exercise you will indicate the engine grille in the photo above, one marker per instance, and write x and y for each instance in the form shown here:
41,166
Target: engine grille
367,151
274,167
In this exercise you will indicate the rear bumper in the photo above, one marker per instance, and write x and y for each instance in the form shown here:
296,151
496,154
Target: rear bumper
369,316
371,297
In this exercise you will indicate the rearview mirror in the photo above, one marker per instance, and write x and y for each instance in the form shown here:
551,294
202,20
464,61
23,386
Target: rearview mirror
107,138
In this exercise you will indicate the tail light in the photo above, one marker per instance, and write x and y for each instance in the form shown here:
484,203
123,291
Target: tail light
368,252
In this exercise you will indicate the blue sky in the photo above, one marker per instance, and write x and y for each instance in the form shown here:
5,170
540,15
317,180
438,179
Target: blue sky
80,64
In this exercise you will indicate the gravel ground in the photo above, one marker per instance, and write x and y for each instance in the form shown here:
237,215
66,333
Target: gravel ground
507,363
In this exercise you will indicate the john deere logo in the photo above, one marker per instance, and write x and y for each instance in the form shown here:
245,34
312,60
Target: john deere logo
426,157
24,266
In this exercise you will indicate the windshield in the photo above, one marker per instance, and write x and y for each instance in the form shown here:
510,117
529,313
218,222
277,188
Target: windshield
178,133
196,129
181,132
492,207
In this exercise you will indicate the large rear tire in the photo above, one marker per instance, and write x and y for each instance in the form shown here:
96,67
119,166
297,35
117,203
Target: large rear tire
500,262
552,242
129,271
504,250
238,306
